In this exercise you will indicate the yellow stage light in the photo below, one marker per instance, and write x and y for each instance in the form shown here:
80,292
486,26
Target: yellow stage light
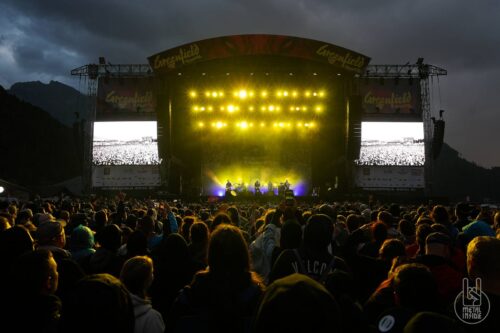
271,108
201,124
250,125
242,94
281,125
231,108
262,124
222,108
214,94
195,108
221,94
279,93
285,93
192,94
304,108
315,94
262,108
263,94
292,108
295,94
297,108
243,125
308,93
207,93
250,108
219,124
275,124
318,109
202,108
321,93
210,109
299,124
251,94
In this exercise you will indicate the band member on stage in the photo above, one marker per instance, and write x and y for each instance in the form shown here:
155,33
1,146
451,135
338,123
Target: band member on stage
228,185
287,185
270,188
257,186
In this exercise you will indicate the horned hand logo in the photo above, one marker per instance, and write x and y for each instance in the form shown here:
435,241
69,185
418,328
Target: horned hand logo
472,305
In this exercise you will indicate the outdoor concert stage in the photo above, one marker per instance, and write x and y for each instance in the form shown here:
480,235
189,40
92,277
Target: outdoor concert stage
250,108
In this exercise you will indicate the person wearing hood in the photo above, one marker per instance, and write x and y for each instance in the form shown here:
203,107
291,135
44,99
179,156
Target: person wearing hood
137,276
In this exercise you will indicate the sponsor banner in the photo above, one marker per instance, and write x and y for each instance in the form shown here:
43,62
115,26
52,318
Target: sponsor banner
390,177
258,45
392,100
125,99
126,176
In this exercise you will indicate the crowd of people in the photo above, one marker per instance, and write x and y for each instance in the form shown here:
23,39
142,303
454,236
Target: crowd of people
127,153
130,265
392,154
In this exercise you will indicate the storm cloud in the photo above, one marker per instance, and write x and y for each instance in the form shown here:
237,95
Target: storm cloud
44,40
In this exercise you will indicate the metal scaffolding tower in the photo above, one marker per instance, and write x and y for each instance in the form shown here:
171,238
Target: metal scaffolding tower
421,72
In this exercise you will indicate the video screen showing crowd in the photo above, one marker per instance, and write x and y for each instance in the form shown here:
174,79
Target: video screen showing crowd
242,189
125,143
392,144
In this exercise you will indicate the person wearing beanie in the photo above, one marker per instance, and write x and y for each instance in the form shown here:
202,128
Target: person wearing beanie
297,303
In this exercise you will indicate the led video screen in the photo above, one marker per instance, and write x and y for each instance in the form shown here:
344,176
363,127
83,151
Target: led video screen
392,144
125,143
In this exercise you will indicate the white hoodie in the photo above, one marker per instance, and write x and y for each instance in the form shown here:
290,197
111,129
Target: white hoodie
147,319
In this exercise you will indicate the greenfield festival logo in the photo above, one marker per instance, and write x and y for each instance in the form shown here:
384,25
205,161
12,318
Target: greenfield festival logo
472,305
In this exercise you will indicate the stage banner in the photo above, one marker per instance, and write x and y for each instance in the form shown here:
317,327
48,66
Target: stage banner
125,99
389,177
391,100
126,176
258,45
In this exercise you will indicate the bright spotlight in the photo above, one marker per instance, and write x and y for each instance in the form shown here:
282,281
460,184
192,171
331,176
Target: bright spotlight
231,108
244,125
221,94
2,189
321,93
192,94
308,93
271,108
195,108
295,94
219,124
207,94
214,94
318,109
262,124
242,94
285,93
263,94
210,109
201,124
250,108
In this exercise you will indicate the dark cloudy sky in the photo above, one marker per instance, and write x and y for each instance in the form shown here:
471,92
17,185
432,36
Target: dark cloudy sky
44,39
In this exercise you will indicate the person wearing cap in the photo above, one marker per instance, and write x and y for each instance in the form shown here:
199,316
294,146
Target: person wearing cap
51,236
437,258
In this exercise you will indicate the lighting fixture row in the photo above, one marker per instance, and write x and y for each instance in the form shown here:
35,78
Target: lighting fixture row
244,94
